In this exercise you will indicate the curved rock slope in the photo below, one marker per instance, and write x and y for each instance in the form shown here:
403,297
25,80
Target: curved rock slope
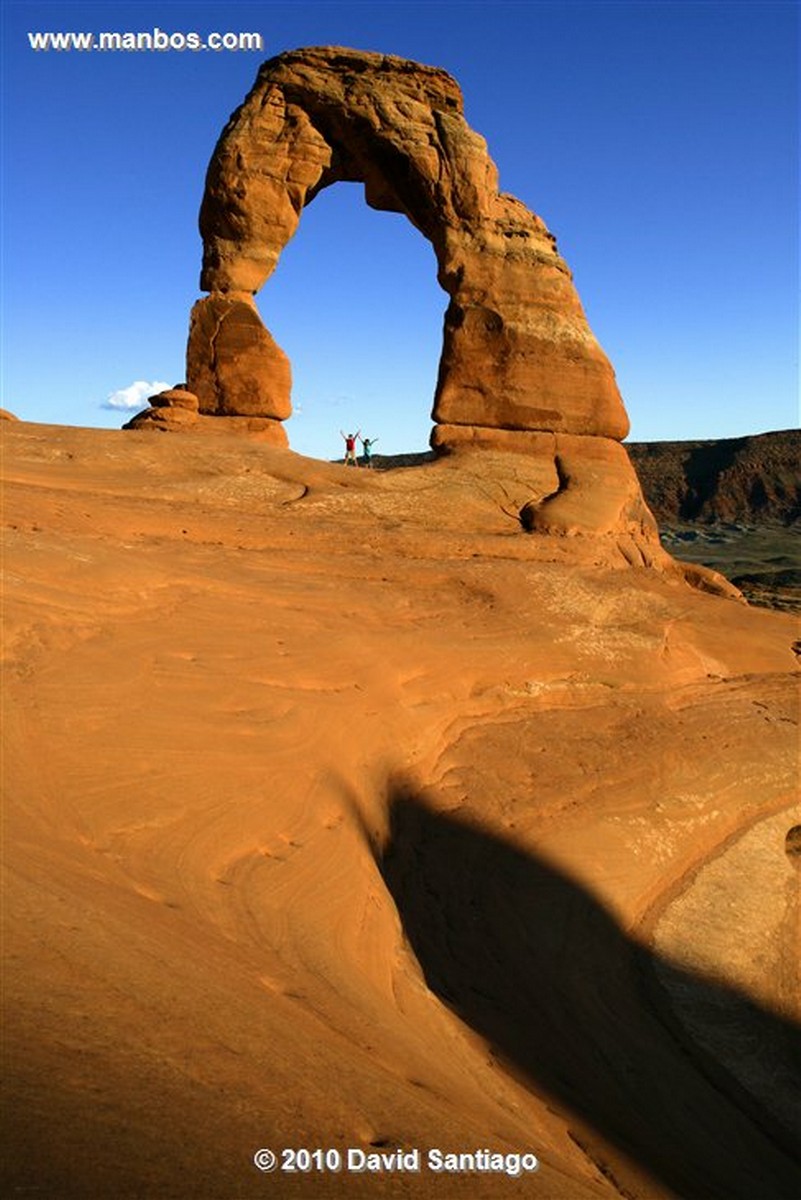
340,813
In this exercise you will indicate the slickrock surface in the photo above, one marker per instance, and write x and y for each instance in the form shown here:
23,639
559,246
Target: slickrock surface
342,812
743,494
517,354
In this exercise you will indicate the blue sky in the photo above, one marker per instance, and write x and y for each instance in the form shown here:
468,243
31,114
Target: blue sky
659,141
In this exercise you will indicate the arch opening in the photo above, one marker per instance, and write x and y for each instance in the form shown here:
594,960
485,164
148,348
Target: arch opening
355,305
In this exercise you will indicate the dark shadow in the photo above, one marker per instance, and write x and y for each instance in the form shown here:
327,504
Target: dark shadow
571,1006
703,468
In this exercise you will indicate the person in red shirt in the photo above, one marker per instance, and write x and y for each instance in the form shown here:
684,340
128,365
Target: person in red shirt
350,448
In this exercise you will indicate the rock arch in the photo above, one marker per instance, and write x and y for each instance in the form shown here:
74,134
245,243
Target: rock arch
518,357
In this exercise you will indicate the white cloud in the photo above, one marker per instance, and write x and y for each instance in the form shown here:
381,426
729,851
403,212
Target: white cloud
135,395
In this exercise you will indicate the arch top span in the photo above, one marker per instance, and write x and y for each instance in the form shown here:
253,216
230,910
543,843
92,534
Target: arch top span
518,354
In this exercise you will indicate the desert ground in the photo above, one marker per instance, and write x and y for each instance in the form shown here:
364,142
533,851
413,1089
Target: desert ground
342,813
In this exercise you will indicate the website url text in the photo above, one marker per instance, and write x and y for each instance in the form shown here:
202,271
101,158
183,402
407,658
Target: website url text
156,39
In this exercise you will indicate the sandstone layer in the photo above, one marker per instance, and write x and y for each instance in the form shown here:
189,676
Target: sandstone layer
517,352
177,411
340,812
234,364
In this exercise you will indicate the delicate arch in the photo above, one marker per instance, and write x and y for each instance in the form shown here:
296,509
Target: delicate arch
517,356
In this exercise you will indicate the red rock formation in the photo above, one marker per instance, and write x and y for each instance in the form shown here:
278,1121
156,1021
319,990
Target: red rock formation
176,411
520,369
517,354
236,368
175,397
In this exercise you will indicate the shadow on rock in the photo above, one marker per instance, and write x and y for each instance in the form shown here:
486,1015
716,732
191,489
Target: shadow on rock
538,967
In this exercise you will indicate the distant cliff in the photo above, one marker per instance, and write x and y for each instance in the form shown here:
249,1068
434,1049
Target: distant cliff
751,480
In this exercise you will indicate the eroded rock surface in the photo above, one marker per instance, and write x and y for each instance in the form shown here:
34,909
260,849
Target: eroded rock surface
175,397
517,353
235,366
426,833
177,411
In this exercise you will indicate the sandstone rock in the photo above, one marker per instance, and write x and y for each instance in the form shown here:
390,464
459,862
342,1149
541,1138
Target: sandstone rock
170,410
5,415
258,429
171,419
705,579
580,485
232,363
597,491
175,398
517,354
458,794
165,419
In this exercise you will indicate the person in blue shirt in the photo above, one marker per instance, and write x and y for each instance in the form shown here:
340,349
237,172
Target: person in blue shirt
367,450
